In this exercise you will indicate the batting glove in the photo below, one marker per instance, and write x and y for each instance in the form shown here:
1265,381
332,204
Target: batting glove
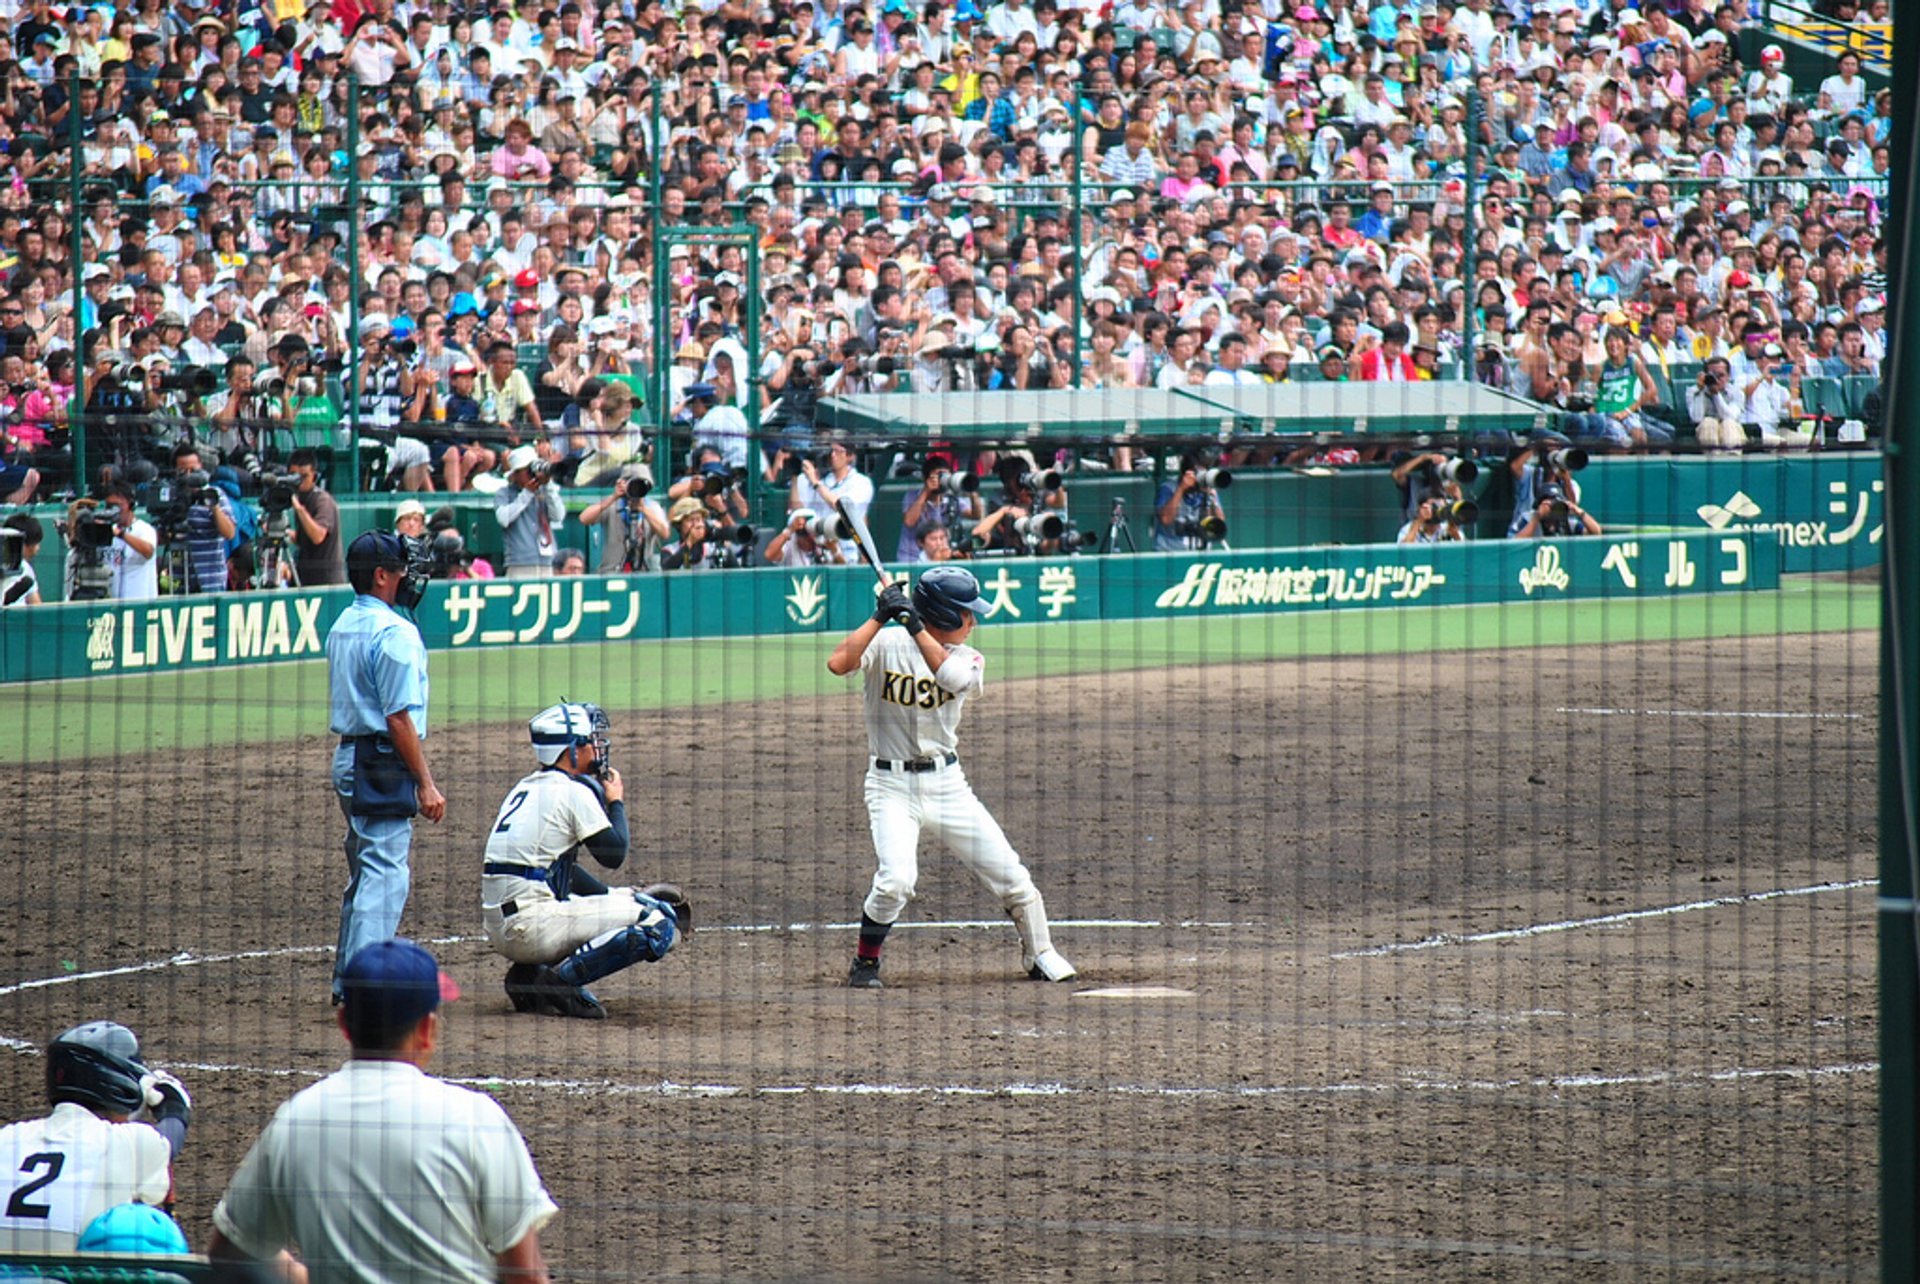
166,1096
892,604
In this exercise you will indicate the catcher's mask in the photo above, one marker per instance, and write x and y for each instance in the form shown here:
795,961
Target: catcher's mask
380,550
561,727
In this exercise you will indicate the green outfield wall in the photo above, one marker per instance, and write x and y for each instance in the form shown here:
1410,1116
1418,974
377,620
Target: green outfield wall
81,639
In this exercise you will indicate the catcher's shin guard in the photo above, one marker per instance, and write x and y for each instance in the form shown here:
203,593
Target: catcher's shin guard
645,942
1037,955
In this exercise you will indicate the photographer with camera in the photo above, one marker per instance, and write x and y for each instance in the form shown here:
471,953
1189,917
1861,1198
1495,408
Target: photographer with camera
1546,499
1429,475
808,539
1032,514
1717,408
209,522
842,483
20,538
636,525
1438,520
1186,511
110,555
693,548
318,558
710,481
946,500
528,510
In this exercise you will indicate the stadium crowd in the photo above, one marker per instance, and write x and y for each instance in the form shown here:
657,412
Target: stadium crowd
1658,240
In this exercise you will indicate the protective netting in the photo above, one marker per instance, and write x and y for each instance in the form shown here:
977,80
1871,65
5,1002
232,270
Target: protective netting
1494,907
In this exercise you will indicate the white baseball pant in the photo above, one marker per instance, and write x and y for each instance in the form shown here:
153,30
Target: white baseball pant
548,931
902,805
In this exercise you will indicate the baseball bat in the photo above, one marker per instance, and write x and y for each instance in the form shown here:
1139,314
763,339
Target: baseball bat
864,539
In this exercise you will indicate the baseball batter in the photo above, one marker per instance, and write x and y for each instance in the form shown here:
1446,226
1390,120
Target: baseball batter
917,678
561,927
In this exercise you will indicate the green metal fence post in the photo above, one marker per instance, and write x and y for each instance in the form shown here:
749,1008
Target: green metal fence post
659,383
77,406
1900,707
1466,247
353,277
1079,261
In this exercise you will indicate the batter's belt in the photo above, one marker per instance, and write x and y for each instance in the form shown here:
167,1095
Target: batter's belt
917,765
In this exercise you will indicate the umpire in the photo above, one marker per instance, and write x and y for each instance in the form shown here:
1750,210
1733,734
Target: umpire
377,699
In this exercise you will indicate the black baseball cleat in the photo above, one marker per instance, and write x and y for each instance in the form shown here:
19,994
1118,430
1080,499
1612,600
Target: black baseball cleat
544,992
520,979
865,975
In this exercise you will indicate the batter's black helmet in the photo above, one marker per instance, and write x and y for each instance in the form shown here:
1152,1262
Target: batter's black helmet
944,592
97,1065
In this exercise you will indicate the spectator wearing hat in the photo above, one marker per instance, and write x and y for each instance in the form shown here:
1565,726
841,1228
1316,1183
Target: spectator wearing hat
692,548
529,510
380,1171
1772,401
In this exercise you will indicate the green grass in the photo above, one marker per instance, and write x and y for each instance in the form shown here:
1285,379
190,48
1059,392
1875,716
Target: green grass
219,711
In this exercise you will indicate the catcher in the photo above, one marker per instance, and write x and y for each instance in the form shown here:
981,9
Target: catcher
561,927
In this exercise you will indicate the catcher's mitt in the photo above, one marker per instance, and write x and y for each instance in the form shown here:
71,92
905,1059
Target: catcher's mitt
668,894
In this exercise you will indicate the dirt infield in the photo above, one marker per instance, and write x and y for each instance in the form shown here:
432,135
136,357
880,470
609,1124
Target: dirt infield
1659,1061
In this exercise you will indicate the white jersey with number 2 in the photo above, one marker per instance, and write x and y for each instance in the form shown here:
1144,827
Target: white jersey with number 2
911,712
59,1172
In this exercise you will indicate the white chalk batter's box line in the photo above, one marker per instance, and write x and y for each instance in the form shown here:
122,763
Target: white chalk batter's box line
1603,921
1765,715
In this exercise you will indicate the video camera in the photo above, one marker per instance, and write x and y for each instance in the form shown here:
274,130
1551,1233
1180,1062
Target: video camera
277,491
90,531
171,500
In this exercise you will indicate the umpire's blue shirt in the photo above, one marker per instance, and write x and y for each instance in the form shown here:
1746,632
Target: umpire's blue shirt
376,665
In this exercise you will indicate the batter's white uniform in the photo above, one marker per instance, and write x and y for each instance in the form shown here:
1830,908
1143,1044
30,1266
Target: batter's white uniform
544,817
913,719
60,1172
382,1172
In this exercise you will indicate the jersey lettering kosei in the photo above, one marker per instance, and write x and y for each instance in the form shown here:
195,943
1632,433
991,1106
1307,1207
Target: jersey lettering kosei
544,817
912,712
60,1172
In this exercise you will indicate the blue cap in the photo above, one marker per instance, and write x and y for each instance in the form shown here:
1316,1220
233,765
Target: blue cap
703,391
388,986
464,303
402,328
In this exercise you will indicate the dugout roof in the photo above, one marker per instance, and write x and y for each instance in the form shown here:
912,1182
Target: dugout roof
1283,409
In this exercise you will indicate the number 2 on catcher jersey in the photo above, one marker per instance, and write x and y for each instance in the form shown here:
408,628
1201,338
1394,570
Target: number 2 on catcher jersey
22,1206
506,812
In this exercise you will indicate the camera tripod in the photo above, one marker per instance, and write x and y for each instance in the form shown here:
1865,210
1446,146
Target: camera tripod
274,563
1117,529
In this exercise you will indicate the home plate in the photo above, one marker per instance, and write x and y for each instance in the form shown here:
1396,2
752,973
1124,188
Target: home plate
1134,992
